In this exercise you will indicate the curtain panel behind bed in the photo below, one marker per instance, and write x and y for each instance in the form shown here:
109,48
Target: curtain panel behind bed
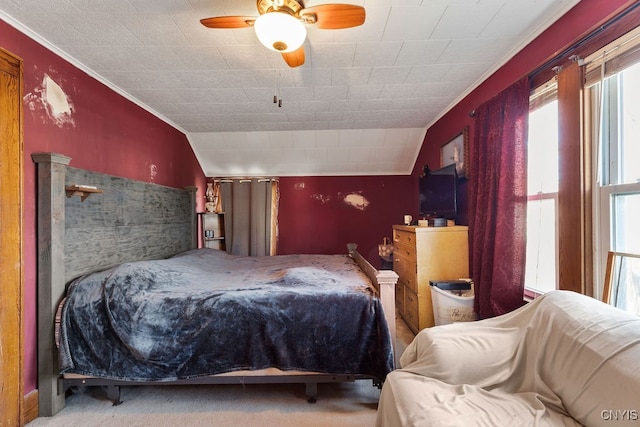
251,212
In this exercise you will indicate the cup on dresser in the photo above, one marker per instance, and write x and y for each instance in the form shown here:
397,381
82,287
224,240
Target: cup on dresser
408,219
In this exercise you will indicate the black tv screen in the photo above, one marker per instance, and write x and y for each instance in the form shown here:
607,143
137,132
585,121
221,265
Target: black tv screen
438,193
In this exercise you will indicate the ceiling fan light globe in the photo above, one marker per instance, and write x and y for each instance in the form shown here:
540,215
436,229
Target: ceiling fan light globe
280,31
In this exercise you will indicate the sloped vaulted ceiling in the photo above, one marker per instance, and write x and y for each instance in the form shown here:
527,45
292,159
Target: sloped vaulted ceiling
360,105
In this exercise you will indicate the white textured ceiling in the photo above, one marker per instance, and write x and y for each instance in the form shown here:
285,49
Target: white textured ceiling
359,105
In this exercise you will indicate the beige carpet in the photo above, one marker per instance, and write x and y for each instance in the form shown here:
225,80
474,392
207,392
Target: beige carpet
345,404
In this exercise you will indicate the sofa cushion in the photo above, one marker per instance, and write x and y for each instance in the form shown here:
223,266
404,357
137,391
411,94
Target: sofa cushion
412,400
485,355
589,355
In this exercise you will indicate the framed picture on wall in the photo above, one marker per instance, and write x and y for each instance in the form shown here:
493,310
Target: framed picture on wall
457,151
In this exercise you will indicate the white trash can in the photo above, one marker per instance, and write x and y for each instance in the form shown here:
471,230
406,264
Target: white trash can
452,301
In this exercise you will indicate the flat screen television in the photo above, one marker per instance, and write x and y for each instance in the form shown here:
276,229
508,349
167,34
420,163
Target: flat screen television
438,193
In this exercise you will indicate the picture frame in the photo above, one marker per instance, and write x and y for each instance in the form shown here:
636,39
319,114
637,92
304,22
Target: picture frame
456,151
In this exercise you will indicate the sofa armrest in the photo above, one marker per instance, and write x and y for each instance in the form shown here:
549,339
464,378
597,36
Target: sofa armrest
465,353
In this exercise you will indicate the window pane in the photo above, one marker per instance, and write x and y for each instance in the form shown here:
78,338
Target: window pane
542,150
625,226
630,123
540,271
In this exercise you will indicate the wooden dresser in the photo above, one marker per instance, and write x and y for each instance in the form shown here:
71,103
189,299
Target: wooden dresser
421,254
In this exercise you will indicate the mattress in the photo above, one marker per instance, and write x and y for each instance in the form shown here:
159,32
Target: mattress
205,312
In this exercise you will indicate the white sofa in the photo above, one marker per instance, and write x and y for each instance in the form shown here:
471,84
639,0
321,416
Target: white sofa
562,360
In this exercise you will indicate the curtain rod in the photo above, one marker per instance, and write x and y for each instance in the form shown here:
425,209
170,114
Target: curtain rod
564,54
244,180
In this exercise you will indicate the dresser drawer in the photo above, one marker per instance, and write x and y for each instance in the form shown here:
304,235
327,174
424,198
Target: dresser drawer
400,296
405,251
411,309
404,237
404,243
407,270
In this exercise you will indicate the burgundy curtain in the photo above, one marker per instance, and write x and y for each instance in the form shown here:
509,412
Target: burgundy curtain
498,200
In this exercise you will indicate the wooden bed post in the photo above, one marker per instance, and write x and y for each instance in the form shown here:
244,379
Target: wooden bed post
194,222
387,280
384,282
51,275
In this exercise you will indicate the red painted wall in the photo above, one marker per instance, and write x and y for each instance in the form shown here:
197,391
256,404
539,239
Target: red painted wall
314,217
104,132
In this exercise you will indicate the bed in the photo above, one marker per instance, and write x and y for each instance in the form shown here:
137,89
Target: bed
129,247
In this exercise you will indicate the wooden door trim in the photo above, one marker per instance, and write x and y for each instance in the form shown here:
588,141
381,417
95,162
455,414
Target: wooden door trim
11,243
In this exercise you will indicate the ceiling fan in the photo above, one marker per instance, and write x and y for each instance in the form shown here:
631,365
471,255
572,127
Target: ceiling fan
281,24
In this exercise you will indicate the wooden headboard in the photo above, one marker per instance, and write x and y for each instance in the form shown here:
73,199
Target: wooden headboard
90,221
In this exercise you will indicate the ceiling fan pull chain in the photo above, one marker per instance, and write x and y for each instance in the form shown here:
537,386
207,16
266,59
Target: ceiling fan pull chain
279,94
275,86
277,90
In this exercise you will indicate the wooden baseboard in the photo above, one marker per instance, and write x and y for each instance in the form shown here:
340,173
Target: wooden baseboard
30,406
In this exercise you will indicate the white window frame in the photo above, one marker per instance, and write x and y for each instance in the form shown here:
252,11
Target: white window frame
625,47
603,206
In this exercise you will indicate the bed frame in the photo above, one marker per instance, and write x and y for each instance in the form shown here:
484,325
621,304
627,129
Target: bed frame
89,221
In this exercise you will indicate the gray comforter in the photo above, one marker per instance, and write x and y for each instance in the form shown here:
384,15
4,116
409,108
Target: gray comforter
206,312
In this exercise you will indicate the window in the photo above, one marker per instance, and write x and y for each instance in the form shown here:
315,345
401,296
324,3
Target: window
602,172
613,80
542,182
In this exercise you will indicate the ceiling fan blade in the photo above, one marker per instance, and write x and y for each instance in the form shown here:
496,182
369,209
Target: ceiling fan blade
335,16
295,58
228,21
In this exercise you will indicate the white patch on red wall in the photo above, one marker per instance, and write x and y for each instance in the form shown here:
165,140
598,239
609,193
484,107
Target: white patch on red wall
321,198
51,102
153,171
356,200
